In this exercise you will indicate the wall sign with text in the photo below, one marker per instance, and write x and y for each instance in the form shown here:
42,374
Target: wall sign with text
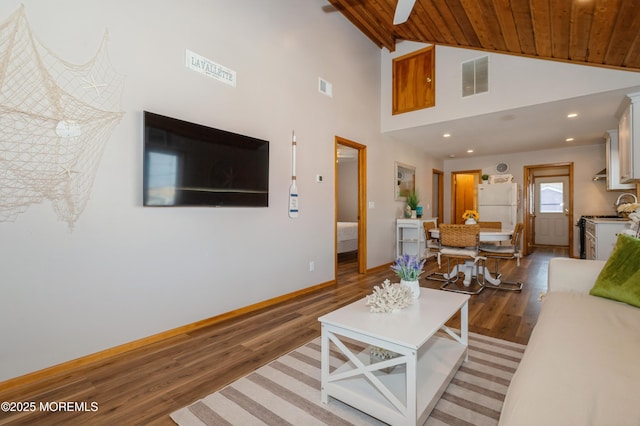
209,68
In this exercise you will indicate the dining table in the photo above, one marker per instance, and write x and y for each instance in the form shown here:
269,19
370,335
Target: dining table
470,268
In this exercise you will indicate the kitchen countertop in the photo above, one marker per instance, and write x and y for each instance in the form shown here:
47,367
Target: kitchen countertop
609,219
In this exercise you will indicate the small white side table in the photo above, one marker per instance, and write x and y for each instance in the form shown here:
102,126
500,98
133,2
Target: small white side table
422,370
410,238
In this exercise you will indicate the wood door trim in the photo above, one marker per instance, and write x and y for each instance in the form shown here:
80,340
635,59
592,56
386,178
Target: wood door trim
362,202
440,213
528,199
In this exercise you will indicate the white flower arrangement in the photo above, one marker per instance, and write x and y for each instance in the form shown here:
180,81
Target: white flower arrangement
389,297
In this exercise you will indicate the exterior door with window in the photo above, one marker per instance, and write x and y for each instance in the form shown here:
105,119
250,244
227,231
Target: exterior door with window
551,210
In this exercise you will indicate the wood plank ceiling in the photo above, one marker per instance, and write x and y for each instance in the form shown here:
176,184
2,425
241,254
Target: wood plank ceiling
591,32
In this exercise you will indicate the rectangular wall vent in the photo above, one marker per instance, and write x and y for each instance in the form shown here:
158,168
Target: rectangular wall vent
475,76
325,87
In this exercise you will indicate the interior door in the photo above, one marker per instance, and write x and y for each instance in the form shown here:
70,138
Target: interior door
464,194
551,210
360,194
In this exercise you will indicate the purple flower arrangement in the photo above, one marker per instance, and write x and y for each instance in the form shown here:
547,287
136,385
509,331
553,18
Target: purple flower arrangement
409,268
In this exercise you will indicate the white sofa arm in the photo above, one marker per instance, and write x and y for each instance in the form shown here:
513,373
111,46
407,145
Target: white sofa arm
573,275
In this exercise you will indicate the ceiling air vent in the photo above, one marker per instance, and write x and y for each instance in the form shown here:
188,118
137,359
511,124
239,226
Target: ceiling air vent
475,76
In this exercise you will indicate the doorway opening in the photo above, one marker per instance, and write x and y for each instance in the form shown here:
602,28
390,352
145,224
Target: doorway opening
464,186
350,203
548,206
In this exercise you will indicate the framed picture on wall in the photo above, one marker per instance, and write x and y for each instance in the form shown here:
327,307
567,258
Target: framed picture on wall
405,180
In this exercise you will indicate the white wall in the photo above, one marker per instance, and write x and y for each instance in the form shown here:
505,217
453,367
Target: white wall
589,197
127,272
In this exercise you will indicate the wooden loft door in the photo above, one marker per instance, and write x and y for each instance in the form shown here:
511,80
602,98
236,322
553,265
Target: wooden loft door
414,81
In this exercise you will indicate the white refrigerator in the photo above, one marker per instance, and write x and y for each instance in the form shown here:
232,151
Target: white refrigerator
498,202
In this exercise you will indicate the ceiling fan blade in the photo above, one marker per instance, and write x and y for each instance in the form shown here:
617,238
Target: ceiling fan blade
403,10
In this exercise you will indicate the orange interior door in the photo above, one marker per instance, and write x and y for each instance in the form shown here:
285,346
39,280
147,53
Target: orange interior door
464,197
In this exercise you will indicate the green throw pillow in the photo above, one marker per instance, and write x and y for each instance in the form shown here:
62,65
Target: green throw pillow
620,278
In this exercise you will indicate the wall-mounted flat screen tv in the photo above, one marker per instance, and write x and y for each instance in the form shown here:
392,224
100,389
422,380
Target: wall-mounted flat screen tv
188,164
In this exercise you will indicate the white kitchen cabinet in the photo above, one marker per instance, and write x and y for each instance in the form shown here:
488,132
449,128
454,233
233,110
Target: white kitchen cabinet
629,139
613,163
410,238
601,236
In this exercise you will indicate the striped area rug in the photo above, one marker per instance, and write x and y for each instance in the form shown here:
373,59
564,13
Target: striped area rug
287,392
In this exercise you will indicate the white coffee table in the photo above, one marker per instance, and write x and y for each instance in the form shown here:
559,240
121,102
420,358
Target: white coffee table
424,367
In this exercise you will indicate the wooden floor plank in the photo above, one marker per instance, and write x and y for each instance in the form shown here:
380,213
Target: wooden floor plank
145,385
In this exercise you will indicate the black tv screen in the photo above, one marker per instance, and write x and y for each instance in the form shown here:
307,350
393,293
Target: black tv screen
188,164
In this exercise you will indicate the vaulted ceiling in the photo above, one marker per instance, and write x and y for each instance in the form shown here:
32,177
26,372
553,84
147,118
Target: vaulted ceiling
594,32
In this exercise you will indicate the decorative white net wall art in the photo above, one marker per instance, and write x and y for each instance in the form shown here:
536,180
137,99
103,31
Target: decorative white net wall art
55,119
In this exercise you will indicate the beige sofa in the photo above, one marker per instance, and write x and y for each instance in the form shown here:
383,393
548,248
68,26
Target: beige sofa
582,363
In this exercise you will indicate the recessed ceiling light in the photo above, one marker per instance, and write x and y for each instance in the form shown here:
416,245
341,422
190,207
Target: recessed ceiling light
452,155
572,115
469,151
569,140
446,135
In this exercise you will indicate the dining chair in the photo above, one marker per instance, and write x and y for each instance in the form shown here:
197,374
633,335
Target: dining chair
432,248
505,252
462,242
490,225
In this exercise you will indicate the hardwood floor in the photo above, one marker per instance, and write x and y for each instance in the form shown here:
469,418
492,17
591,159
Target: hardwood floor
145,385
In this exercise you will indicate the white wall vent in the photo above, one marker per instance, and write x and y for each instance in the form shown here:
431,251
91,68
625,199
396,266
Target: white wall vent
325,87
475,76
